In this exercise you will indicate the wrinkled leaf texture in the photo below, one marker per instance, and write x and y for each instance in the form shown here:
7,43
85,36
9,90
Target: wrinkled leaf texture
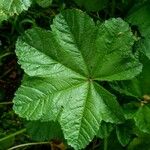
140,17
10,7
62,68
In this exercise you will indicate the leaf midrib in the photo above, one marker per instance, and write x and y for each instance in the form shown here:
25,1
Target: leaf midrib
76,45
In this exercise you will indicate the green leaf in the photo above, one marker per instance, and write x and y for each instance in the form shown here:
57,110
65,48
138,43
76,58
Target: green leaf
140,112
62,68
140,143
44,3
142,120
92,5
113,143
4,145
3,16
14,6
138,86
44,131
114,45
129,87
105,129
140,17
11,7
124,132
135,18
130,109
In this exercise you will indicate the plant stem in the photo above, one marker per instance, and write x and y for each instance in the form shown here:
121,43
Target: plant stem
105,143
6,103
6,54
5,73
28,144
12,135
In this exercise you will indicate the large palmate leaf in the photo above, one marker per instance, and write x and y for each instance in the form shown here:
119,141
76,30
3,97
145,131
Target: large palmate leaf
140,17
62,68
10,7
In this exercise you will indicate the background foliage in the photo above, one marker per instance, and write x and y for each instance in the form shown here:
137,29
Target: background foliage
122,122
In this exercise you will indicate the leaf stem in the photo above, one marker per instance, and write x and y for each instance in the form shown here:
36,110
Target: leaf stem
7,72
28,144
6,54
105,143
6,103
12,135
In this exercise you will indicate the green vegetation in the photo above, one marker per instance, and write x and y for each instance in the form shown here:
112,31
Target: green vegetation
74,74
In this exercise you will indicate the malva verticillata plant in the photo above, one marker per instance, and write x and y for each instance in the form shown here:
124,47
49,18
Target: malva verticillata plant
86,78
64,67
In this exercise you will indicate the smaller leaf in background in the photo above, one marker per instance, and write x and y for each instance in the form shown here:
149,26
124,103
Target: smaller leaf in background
128,87
140,112
139,16
10,8
15,6
138,87
130,109
142,119
92,5
44,3
113,143
45,131
10,126
105,129
124,132
141,142
5,144
3,16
